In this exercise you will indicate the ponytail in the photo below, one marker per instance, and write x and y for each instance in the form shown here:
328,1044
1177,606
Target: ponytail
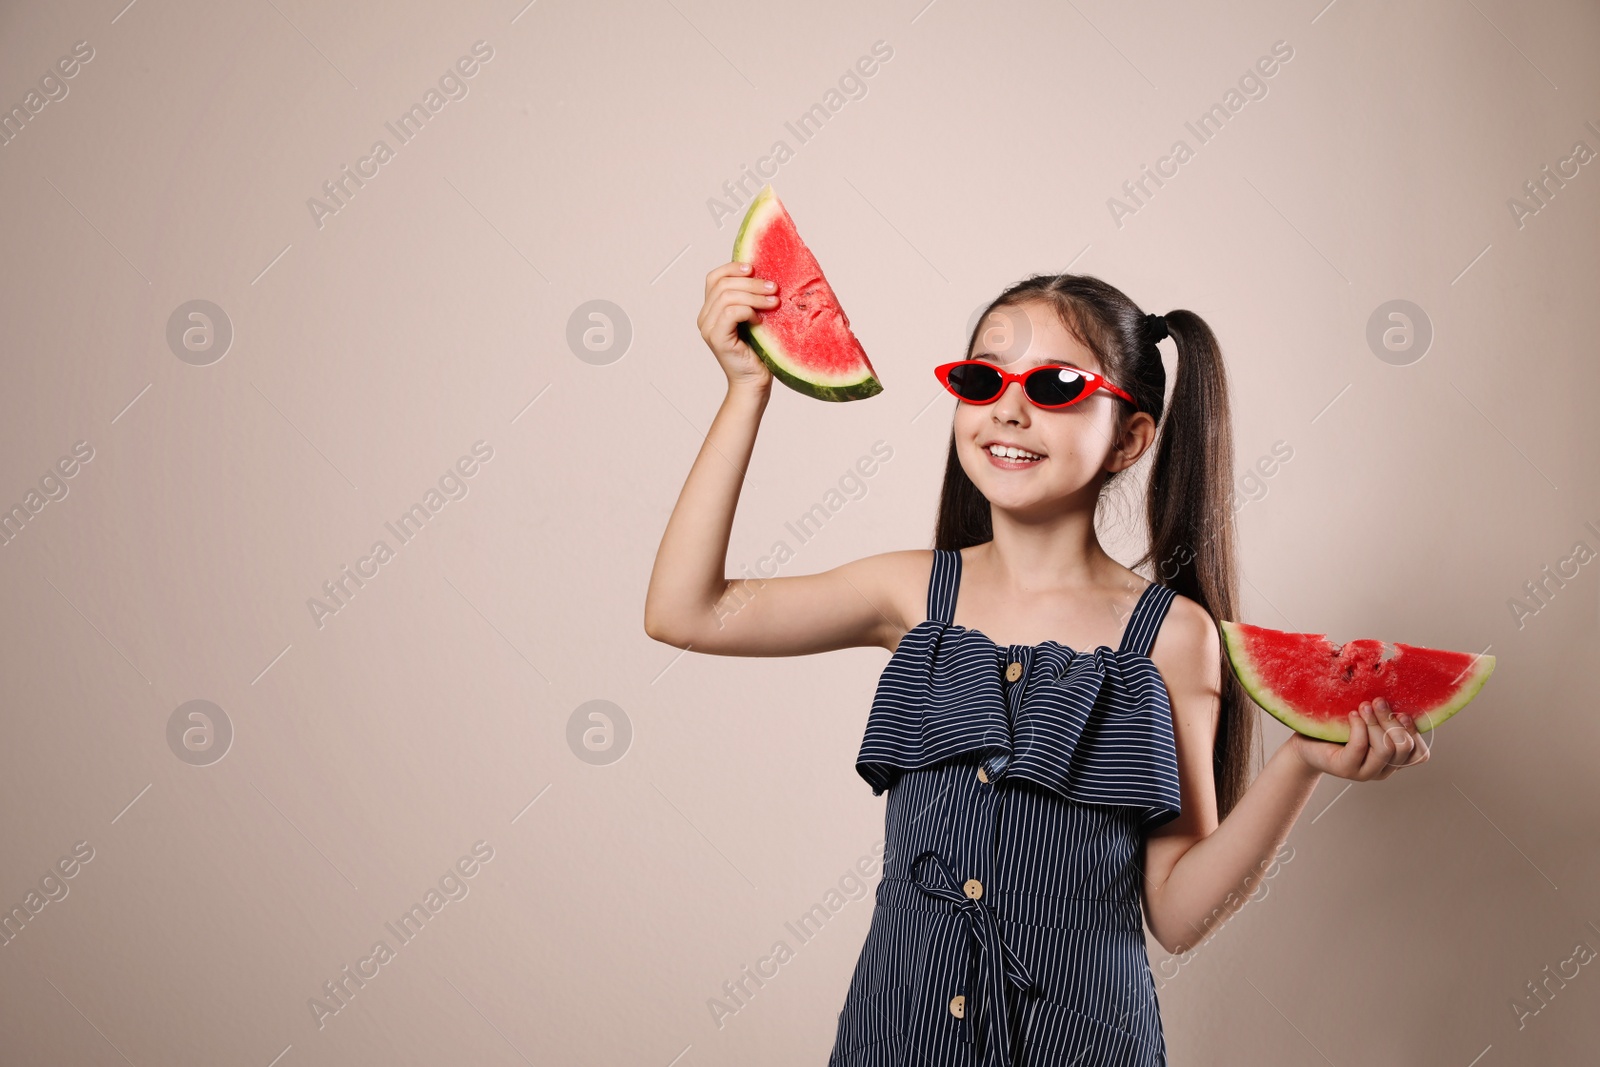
1190,513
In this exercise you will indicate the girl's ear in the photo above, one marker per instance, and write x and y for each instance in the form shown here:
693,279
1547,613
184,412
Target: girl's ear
1136,437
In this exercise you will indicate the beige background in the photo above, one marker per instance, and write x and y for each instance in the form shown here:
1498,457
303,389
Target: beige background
370,753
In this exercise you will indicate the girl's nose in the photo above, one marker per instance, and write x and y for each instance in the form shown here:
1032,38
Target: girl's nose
1012,403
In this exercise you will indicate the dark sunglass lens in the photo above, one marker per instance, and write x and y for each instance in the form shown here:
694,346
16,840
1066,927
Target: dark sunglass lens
972,382
1058,385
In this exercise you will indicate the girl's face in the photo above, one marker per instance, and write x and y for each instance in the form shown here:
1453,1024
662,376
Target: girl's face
1077,444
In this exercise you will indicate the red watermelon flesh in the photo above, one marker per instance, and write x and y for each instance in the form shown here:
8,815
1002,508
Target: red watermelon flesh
806,339
1311,685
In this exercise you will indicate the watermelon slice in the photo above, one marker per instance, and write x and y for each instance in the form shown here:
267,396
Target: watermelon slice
1310,685
805,340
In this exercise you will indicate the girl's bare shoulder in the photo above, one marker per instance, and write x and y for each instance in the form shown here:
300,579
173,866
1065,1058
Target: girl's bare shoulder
895,584
1188,648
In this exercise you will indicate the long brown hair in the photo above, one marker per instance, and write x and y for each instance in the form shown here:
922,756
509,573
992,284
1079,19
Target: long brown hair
1189,496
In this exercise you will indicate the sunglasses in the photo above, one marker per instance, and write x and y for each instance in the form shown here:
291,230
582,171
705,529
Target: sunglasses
1048,385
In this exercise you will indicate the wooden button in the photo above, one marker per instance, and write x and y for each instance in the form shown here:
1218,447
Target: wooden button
983,775
958,1006
1013,671
973,888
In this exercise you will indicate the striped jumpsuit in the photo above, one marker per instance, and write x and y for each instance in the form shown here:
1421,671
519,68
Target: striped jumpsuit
1007,929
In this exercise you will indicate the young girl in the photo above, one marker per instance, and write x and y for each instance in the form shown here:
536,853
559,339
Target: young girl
1066,755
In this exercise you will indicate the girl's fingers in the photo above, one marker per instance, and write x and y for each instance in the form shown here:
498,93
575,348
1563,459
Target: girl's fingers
730,277
1381,750
748,290
758,286
1373,755
1381,742
736,305
1395,735
1405,746
732,269
1419,744
744,291
1355,749
738,312
742,298
757,298
719,326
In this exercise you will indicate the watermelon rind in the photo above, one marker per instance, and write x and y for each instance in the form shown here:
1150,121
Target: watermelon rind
1337,729
763,211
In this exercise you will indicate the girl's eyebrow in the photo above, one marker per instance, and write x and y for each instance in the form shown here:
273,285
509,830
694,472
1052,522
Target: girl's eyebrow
1041,362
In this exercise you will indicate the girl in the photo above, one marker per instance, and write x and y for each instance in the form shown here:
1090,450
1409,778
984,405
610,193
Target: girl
1067,762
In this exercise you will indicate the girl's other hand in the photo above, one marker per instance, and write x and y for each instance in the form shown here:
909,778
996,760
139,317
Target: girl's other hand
1380,744
734,296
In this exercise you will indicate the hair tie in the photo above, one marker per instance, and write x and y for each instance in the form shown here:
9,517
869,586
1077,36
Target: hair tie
1156,325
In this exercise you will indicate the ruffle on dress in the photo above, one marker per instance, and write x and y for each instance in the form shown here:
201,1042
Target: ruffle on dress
1092,727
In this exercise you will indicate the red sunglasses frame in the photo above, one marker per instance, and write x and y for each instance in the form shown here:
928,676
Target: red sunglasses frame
1093,382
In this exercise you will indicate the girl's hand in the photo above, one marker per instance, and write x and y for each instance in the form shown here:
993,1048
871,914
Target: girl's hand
1380,744
732,297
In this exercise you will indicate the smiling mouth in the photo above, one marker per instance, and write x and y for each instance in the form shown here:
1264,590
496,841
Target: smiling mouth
1010,458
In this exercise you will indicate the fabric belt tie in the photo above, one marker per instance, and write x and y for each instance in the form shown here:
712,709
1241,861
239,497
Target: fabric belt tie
999,963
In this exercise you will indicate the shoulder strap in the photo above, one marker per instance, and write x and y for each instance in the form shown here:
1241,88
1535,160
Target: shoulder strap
943,584
1145,622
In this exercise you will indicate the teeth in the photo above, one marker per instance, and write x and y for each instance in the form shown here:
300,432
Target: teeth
1012,453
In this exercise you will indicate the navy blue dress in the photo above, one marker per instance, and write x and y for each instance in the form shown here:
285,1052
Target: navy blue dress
1007,929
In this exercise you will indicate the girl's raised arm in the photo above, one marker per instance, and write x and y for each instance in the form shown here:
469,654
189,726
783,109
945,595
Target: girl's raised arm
690,602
